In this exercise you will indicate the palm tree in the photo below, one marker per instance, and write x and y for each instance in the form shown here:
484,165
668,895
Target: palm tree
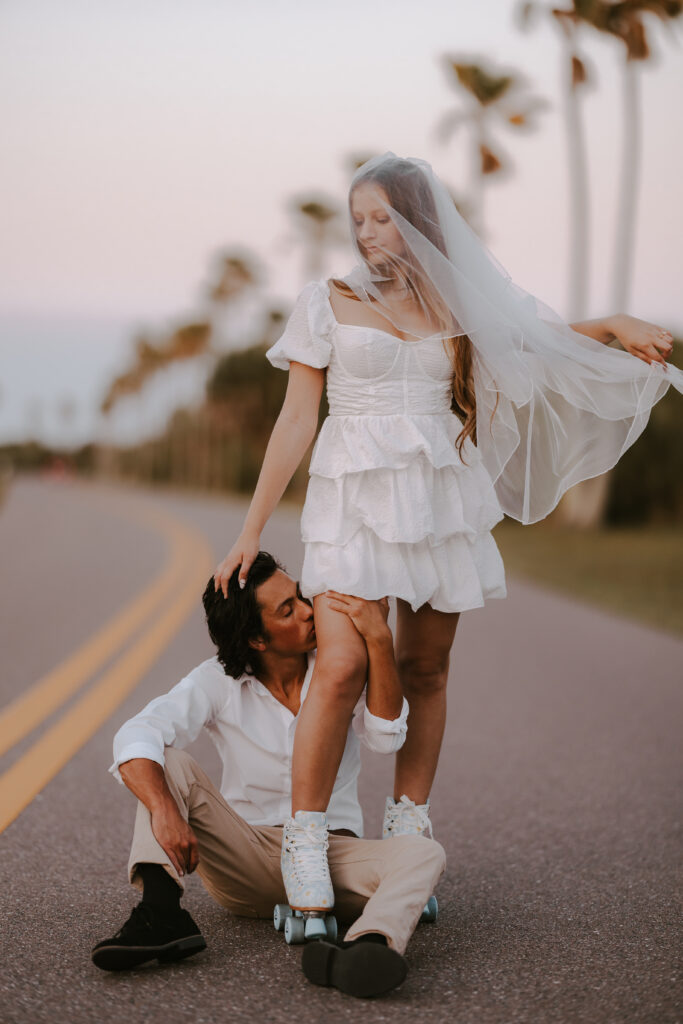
235,271
234,276
489,92
625,21
357,158
586,504
575,78
317,218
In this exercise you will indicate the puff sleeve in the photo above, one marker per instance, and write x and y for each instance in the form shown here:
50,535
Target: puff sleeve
307,336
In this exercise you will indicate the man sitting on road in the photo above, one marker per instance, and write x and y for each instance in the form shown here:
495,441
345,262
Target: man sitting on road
248,698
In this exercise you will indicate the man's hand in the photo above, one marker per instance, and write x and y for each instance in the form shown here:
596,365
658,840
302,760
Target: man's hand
175,837
369,617
384,698
146,780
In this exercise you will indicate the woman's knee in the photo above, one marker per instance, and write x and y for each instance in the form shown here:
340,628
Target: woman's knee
341,674
422,672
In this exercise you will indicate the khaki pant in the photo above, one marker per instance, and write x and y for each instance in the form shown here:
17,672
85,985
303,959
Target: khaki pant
380,885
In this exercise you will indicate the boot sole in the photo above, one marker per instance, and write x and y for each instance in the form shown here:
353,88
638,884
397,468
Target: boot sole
123,958
365,970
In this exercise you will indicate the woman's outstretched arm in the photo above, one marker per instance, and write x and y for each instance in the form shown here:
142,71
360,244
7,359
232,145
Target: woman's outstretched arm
292,434
647,341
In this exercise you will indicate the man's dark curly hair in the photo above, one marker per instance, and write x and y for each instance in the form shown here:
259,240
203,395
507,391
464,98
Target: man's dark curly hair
235,620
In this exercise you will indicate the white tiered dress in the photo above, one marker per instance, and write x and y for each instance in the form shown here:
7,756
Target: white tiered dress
391,508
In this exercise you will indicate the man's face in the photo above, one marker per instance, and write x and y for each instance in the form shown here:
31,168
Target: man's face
287,617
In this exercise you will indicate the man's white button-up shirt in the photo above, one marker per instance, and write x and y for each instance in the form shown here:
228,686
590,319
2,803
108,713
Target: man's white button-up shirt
254,735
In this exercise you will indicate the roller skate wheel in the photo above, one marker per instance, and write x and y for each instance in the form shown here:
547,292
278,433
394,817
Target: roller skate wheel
315,928
281,912
331,927
295,931
431,911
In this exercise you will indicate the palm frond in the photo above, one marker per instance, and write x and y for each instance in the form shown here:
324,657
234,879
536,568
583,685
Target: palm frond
448,124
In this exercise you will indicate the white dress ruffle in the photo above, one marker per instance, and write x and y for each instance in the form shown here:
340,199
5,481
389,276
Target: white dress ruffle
391,508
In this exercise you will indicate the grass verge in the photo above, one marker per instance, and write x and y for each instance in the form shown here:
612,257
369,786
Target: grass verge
635,572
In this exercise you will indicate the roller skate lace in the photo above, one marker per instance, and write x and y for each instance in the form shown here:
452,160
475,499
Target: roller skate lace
406,818
305,869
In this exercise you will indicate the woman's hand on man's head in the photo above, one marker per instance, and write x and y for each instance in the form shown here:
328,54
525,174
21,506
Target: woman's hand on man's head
242,553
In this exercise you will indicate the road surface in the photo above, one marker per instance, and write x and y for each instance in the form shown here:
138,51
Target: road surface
558,797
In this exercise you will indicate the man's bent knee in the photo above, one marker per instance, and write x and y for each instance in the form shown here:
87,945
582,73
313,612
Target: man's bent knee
420,849
178,764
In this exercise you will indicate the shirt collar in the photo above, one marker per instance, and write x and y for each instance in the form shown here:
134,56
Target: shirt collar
256,686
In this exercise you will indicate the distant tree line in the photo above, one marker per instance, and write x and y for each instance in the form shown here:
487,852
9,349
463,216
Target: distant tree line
220,446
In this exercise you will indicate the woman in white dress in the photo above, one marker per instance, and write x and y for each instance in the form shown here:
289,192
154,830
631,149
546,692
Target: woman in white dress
454,397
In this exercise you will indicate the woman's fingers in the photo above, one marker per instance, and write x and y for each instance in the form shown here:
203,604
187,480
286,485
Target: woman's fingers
648,353
663,345
247,563
221,576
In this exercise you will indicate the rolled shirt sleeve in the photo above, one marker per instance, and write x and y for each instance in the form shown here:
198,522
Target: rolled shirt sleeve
172,720
383,735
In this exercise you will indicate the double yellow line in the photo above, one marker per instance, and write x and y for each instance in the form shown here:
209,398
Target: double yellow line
164,605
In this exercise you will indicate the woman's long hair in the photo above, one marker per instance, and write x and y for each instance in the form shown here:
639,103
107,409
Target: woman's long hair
409,194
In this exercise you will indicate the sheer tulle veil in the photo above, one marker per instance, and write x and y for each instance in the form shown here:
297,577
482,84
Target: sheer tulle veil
553,407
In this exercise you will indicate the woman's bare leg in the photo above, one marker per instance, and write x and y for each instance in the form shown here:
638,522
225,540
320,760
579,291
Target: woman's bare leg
423,642
338,679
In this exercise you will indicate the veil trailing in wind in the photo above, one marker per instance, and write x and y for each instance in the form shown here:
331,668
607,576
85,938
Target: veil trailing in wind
553,407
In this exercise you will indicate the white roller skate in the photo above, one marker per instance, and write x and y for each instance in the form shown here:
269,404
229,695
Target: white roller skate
406,818
306,875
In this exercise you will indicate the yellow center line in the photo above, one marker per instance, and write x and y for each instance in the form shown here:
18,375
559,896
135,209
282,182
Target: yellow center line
31,772
30,709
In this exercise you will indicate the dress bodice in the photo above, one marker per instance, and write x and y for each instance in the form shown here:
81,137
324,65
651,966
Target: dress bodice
374,373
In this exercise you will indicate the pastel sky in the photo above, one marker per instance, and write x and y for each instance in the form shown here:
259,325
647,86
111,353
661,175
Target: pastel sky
141,136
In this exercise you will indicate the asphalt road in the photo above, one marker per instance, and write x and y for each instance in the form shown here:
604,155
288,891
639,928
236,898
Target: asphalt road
558,798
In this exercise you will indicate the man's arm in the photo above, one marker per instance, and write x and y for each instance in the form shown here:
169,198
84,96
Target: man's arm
174,719
146,780
384,697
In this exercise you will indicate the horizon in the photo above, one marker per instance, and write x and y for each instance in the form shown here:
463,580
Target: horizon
142,140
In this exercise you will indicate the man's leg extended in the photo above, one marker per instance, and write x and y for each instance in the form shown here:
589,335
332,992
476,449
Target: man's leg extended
383,885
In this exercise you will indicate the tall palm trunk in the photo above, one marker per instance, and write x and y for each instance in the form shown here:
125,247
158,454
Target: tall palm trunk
476,189
628,195
577,506
590,497
577,157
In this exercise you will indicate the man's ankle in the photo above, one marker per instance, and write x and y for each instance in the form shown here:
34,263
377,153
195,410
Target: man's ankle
159,889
